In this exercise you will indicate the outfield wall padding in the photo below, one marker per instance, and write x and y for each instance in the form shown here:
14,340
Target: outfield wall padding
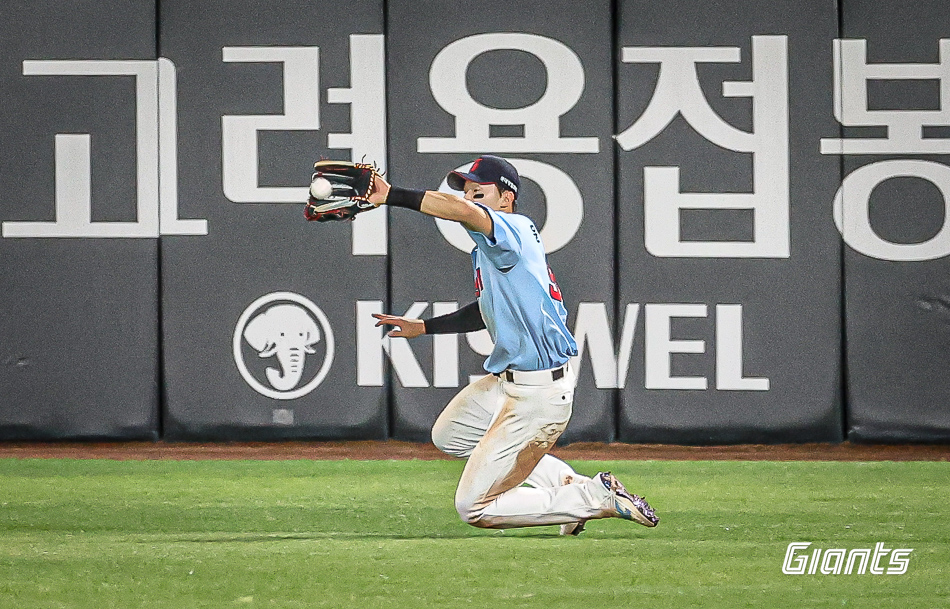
259,315
78,313
691,167
894,202
726,246
536,91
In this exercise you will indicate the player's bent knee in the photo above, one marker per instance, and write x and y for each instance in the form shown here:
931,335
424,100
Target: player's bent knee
470,514
439,437
444,441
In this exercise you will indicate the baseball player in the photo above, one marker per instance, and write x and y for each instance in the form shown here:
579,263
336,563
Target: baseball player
506,422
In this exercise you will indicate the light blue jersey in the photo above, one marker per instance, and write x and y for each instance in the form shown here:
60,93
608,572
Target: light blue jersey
519,298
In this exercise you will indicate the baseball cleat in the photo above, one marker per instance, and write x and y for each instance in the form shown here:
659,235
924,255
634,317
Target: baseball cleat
626,505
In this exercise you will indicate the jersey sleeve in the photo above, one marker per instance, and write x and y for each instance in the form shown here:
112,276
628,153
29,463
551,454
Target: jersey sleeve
503,249
466,319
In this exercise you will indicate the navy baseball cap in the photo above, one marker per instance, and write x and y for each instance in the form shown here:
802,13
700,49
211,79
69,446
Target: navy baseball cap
487,169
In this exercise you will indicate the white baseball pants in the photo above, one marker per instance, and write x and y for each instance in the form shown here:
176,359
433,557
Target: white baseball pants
505,430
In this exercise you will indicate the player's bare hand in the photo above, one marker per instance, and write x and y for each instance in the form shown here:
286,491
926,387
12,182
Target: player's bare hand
405,327
380,190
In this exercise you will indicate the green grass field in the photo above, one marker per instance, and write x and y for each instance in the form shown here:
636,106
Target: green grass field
124,534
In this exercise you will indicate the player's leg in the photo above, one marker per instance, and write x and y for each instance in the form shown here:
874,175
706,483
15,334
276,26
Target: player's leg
461,428
467,417
530,421
551,471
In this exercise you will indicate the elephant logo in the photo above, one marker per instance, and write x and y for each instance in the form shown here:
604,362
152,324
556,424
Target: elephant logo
287,332
282,329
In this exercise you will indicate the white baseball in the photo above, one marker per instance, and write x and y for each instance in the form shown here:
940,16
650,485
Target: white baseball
321,188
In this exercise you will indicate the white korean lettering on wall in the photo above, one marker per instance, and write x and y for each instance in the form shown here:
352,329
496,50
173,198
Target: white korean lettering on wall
905,136
156,159
540,122
366,140
239,169
678,92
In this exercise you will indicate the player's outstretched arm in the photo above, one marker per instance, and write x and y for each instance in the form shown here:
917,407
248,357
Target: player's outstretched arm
433,203
405,327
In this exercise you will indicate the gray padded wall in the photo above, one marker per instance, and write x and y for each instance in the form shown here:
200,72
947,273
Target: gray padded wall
536,90
78,252
895,220
250,307
137,179
737,337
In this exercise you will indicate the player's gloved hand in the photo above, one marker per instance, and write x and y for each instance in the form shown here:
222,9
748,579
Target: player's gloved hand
339,190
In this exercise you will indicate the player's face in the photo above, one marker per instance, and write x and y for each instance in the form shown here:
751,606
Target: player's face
489,196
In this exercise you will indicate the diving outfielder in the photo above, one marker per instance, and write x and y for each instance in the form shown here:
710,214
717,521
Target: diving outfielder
506,422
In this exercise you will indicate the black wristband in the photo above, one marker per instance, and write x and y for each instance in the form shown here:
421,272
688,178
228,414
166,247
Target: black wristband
404,197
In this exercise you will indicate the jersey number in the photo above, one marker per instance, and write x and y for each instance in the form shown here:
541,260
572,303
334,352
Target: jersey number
553,288
479,286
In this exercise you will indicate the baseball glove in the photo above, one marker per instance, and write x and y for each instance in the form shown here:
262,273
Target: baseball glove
350,185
